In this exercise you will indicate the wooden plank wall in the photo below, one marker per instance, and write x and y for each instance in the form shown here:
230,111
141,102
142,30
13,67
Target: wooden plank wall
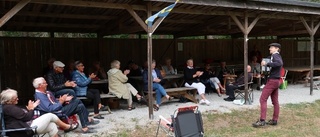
22,59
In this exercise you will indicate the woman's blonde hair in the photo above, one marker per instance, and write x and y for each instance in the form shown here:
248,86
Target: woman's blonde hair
115,63
7,96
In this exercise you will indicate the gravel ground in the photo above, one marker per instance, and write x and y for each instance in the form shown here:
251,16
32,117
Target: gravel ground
122,119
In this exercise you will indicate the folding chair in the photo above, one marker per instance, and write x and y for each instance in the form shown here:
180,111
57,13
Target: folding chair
241,92
186,122
23,131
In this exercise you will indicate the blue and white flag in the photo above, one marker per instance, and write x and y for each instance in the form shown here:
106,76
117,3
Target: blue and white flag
163,13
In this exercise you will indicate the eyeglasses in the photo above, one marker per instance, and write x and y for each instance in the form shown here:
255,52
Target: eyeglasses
15,98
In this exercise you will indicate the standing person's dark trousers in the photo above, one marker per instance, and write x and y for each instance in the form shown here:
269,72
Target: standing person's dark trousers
271,89
77,107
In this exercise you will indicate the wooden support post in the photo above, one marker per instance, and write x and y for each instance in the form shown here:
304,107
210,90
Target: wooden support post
150,81
13,11
311,30
245,28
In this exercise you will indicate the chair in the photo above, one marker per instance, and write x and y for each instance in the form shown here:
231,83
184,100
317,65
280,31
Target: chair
185,122
283,73
241,92
3,130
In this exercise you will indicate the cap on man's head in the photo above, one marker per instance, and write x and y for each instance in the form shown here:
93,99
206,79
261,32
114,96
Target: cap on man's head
58,64
275,45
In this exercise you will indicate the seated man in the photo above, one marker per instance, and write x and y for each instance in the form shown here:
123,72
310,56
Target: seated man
230,87
192,78
49,103
57,82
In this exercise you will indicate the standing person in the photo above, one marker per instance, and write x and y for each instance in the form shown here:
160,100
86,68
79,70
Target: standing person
192,78
82,88
271,88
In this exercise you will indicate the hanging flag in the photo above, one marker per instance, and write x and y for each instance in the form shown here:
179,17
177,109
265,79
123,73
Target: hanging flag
163,13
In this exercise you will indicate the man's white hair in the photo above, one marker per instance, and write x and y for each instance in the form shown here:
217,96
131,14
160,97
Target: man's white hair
37,81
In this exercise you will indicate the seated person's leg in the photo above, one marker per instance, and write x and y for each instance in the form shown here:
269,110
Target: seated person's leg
230,91
65,91
45,124
94,94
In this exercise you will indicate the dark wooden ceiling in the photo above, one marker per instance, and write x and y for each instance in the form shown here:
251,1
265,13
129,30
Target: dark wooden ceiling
188,18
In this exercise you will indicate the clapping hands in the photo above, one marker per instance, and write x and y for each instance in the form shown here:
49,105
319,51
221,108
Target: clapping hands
92,76
126,72
65,98
70,84
33,104
199,73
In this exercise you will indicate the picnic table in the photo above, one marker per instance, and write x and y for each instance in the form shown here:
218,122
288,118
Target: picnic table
100,81
298,72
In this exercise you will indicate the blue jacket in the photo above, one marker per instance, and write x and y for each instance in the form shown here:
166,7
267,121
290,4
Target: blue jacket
45,104
82,82
145,77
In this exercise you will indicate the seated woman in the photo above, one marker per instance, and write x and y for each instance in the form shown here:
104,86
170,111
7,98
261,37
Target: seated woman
118,86
160,91
192,78
168,67
81,89
16,117
208,77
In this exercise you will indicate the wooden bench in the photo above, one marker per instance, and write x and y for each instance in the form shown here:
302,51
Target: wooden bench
315,81
102,96
186,92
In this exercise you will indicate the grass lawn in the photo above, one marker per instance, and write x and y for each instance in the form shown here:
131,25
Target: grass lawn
296,120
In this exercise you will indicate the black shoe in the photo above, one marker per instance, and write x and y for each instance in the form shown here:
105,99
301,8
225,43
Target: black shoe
98,117
259,124
272,122
229,99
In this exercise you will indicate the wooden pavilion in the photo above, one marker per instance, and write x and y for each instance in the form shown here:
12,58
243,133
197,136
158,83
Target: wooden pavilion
22,58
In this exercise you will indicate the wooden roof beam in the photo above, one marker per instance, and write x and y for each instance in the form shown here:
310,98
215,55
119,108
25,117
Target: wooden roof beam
51,25
136,17
13,11
263,5
105,5
63,15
